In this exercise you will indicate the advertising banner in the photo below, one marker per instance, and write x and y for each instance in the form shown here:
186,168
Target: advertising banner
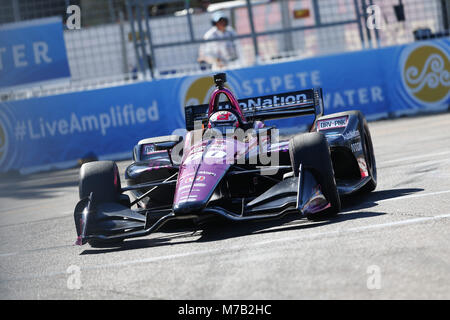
32,51
60,129
349,81
54,131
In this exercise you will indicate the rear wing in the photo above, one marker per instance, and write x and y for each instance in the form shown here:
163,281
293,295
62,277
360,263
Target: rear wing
270,107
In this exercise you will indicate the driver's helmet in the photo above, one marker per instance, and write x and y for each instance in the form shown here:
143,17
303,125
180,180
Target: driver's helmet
223,121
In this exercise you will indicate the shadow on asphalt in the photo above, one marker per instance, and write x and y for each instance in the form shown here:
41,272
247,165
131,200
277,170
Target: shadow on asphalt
216,230
38,185
43,191
360,201
41,185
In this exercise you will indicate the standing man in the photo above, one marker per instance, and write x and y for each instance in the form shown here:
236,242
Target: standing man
218,54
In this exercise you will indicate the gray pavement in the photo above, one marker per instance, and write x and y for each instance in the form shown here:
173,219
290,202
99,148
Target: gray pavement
390,244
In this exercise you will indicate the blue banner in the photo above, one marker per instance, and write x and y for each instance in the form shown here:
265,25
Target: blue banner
58,129
394,80
55,131
32,51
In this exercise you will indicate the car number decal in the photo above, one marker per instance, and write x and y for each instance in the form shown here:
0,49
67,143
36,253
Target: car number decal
327,124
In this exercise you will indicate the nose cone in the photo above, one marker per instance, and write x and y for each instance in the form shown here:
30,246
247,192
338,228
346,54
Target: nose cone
189,207
201,171
195,187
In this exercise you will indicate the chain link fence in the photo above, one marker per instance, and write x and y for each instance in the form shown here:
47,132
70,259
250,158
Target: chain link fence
122,41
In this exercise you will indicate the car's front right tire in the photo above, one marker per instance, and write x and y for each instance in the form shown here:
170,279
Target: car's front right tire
312,151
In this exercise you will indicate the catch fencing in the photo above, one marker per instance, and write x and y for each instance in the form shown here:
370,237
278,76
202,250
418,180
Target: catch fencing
126,41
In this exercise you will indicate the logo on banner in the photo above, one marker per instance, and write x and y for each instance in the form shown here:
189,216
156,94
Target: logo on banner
425,74
198,91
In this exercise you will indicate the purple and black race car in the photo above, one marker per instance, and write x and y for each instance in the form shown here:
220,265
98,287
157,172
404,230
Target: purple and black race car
230,165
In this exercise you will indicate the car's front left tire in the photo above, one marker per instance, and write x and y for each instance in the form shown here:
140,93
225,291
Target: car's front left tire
102,179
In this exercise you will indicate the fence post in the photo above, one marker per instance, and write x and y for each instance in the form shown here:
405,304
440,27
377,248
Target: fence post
377,36
112,13
189,19
142,37
445,14
316,13
123,43
365,16
16,10
286,23
252,27
150,43
360,26
133,34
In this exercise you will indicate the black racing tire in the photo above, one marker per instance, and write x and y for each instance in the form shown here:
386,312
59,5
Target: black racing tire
312,151
103,180
369,154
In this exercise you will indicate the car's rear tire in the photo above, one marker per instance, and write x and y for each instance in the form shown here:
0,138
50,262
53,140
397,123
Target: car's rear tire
312,151
103,180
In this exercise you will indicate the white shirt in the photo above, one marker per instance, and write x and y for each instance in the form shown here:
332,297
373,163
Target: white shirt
224,51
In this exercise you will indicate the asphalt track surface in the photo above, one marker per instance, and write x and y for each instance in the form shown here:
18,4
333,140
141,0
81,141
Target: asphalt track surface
390,244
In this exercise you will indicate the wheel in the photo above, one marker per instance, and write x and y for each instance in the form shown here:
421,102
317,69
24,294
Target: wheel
366,141
312,151
370,159
103,180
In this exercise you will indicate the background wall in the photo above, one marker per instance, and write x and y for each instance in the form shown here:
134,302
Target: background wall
55,131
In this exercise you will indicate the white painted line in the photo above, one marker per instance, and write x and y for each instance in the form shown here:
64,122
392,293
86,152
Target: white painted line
8,254
419,195
357,229
420,164
265,242
416,157
244,247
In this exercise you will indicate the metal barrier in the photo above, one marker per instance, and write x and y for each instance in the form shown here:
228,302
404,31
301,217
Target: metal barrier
122,41
265,32
269,31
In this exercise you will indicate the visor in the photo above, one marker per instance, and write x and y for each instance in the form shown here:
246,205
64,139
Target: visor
223,128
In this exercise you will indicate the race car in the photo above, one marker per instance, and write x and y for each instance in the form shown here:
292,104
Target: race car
230,165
